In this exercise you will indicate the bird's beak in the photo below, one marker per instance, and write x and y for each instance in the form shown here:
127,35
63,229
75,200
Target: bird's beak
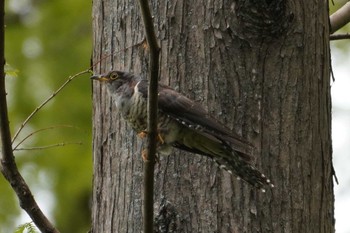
99,77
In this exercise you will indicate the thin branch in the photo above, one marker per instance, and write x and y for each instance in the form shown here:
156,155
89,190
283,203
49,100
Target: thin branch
49,146
141,43
8,165
47,100
4,122
152,107
40,130
339,36
340,18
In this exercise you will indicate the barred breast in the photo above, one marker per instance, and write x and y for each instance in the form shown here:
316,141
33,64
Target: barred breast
133,108
135,112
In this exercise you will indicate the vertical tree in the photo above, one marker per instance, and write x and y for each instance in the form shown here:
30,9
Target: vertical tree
262,68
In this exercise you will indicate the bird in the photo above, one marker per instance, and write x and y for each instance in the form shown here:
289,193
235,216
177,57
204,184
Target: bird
183,124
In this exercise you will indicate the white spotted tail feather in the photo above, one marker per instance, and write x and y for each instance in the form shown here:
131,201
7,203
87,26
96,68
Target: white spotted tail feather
244,170
233,161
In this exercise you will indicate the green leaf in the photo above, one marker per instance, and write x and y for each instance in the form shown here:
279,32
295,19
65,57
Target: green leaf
10,71
29,226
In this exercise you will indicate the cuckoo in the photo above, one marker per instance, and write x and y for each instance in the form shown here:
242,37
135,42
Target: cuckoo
183,124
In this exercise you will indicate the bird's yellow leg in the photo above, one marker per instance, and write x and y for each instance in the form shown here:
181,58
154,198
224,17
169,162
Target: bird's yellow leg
144,155
160,138
144,152
144,133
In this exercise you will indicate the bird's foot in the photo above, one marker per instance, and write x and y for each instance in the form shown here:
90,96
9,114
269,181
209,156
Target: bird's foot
144,134
160,138
144,155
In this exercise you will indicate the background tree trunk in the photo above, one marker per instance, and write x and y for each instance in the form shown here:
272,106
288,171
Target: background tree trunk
262,68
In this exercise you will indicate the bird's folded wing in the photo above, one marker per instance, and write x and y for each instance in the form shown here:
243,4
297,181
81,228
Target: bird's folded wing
193,115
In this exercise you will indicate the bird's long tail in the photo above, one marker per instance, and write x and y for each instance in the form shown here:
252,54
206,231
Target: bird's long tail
234,164
233,161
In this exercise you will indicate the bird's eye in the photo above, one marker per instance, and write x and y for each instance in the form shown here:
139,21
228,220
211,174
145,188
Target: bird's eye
114,76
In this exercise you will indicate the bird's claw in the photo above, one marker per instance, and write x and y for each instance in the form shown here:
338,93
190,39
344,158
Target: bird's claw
144,155
144,134
144,152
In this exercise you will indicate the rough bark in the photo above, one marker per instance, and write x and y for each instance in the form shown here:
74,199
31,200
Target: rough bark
262,68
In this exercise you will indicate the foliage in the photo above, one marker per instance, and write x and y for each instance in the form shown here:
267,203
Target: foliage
10,71
46,42
30,227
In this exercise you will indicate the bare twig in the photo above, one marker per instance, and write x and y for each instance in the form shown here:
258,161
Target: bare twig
340,18
141,43
8,165
49,146
339,36
47,100
40,130
148,187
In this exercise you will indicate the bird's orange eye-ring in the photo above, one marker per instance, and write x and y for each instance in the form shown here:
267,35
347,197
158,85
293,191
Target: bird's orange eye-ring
114,76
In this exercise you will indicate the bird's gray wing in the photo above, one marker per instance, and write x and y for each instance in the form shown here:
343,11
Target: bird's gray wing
194,116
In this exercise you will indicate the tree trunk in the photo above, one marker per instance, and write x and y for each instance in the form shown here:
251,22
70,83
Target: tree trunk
262,68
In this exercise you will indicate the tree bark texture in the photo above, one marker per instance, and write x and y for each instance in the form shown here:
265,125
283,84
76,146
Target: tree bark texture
262,68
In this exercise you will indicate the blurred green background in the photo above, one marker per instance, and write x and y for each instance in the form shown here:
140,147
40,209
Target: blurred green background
46,42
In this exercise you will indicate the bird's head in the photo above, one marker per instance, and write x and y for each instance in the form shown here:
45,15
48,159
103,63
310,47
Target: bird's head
114,78
110,76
